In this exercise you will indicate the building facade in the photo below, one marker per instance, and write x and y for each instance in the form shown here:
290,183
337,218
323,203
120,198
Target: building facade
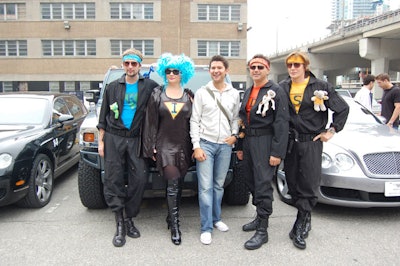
68,45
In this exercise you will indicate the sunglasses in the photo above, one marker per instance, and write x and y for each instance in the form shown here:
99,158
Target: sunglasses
133,63
257,67
295,65
173,71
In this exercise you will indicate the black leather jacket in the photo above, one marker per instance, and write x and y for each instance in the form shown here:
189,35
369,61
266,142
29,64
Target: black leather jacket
115,92
309,121
275,120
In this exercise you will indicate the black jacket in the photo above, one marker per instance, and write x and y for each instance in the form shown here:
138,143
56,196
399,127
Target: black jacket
309,121
115,92
276,120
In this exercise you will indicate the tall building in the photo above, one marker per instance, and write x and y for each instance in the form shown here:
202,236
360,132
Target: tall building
68,45
354,9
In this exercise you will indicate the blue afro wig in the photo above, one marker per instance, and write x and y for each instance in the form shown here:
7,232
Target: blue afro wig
181,62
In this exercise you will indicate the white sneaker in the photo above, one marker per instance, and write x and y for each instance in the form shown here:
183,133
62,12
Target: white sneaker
205,238
221,226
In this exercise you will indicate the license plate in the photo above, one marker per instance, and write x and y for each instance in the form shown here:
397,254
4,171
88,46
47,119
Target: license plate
392,189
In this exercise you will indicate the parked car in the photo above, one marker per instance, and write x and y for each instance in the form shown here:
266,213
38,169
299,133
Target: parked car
91,165
38,142
360,164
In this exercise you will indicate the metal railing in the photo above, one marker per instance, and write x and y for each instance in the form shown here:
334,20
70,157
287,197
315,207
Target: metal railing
355,27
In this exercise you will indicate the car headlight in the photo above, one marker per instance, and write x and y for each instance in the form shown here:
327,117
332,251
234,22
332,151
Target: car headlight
343,161
5,160
326,161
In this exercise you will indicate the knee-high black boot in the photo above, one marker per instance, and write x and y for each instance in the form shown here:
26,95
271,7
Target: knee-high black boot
180,186
173,210
119,237
260,237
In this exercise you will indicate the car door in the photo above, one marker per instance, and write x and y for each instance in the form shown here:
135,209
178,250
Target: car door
78,110
65,131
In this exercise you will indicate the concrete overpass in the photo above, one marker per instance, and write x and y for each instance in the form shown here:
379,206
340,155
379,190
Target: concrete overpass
372,43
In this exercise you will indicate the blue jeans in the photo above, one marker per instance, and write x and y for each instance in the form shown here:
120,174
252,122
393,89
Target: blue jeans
211,175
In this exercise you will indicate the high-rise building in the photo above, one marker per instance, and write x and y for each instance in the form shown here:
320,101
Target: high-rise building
68,45
353,9
348,12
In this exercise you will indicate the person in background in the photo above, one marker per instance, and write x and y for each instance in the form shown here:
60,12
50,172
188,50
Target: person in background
390,108
264,112
365,95
213,129
120,126
307,127
166,136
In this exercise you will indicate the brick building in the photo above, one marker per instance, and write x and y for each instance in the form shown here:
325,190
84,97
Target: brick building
68,45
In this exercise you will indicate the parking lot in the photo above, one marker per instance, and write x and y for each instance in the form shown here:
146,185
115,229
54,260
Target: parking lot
66,233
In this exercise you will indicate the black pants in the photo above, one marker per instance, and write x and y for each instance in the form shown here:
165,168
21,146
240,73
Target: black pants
120,153
258,172
303,173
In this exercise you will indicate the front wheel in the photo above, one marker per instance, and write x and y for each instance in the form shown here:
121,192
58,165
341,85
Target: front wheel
40,183
282,186
90,187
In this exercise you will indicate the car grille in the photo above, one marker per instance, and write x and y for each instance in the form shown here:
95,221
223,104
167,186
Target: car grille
386,163
356,195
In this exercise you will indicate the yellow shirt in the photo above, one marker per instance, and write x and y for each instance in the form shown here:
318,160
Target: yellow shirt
297,92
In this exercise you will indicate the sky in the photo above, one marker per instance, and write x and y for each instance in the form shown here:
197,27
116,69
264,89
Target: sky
284,24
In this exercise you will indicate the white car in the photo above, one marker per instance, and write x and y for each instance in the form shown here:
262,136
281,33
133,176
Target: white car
360,164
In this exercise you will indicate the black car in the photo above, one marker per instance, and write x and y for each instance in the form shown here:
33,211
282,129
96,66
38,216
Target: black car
38,142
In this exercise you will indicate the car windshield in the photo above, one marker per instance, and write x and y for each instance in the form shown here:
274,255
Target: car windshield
22,111
359,114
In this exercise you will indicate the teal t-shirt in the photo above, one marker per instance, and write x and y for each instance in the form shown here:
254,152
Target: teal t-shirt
130,102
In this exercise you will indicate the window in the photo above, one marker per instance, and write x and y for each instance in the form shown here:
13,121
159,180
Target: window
69,47
8,11
68,11
132,11
144,46
54,86
69,86
224,48
7,86
13,48
218,12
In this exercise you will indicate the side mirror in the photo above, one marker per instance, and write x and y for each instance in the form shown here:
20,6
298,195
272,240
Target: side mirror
92,96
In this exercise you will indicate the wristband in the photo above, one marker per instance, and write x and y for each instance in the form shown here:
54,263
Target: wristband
331,130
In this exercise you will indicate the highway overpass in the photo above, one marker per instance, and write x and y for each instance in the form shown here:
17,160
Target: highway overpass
372,43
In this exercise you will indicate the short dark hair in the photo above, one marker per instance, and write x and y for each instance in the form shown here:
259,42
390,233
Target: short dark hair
219,58
368,79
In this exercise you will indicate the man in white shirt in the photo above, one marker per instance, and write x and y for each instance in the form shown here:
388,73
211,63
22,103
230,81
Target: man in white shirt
365,95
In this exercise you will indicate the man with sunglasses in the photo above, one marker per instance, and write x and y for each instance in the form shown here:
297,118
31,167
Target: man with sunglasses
264,144
307,133
120,126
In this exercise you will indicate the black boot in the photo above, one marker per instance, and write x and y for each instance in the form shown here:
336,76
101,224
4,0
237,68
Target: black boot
260,237
307,227
119,237
298,229
252,226
173,210
132,231
180,185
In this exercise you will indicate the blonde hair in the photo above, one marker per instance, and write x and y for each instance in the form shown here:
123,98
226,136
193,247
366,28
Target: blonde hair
304,56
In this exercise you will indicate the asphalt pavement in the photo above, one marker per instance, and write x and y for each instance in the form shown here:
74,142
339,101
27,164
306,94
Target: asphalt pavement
66,233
